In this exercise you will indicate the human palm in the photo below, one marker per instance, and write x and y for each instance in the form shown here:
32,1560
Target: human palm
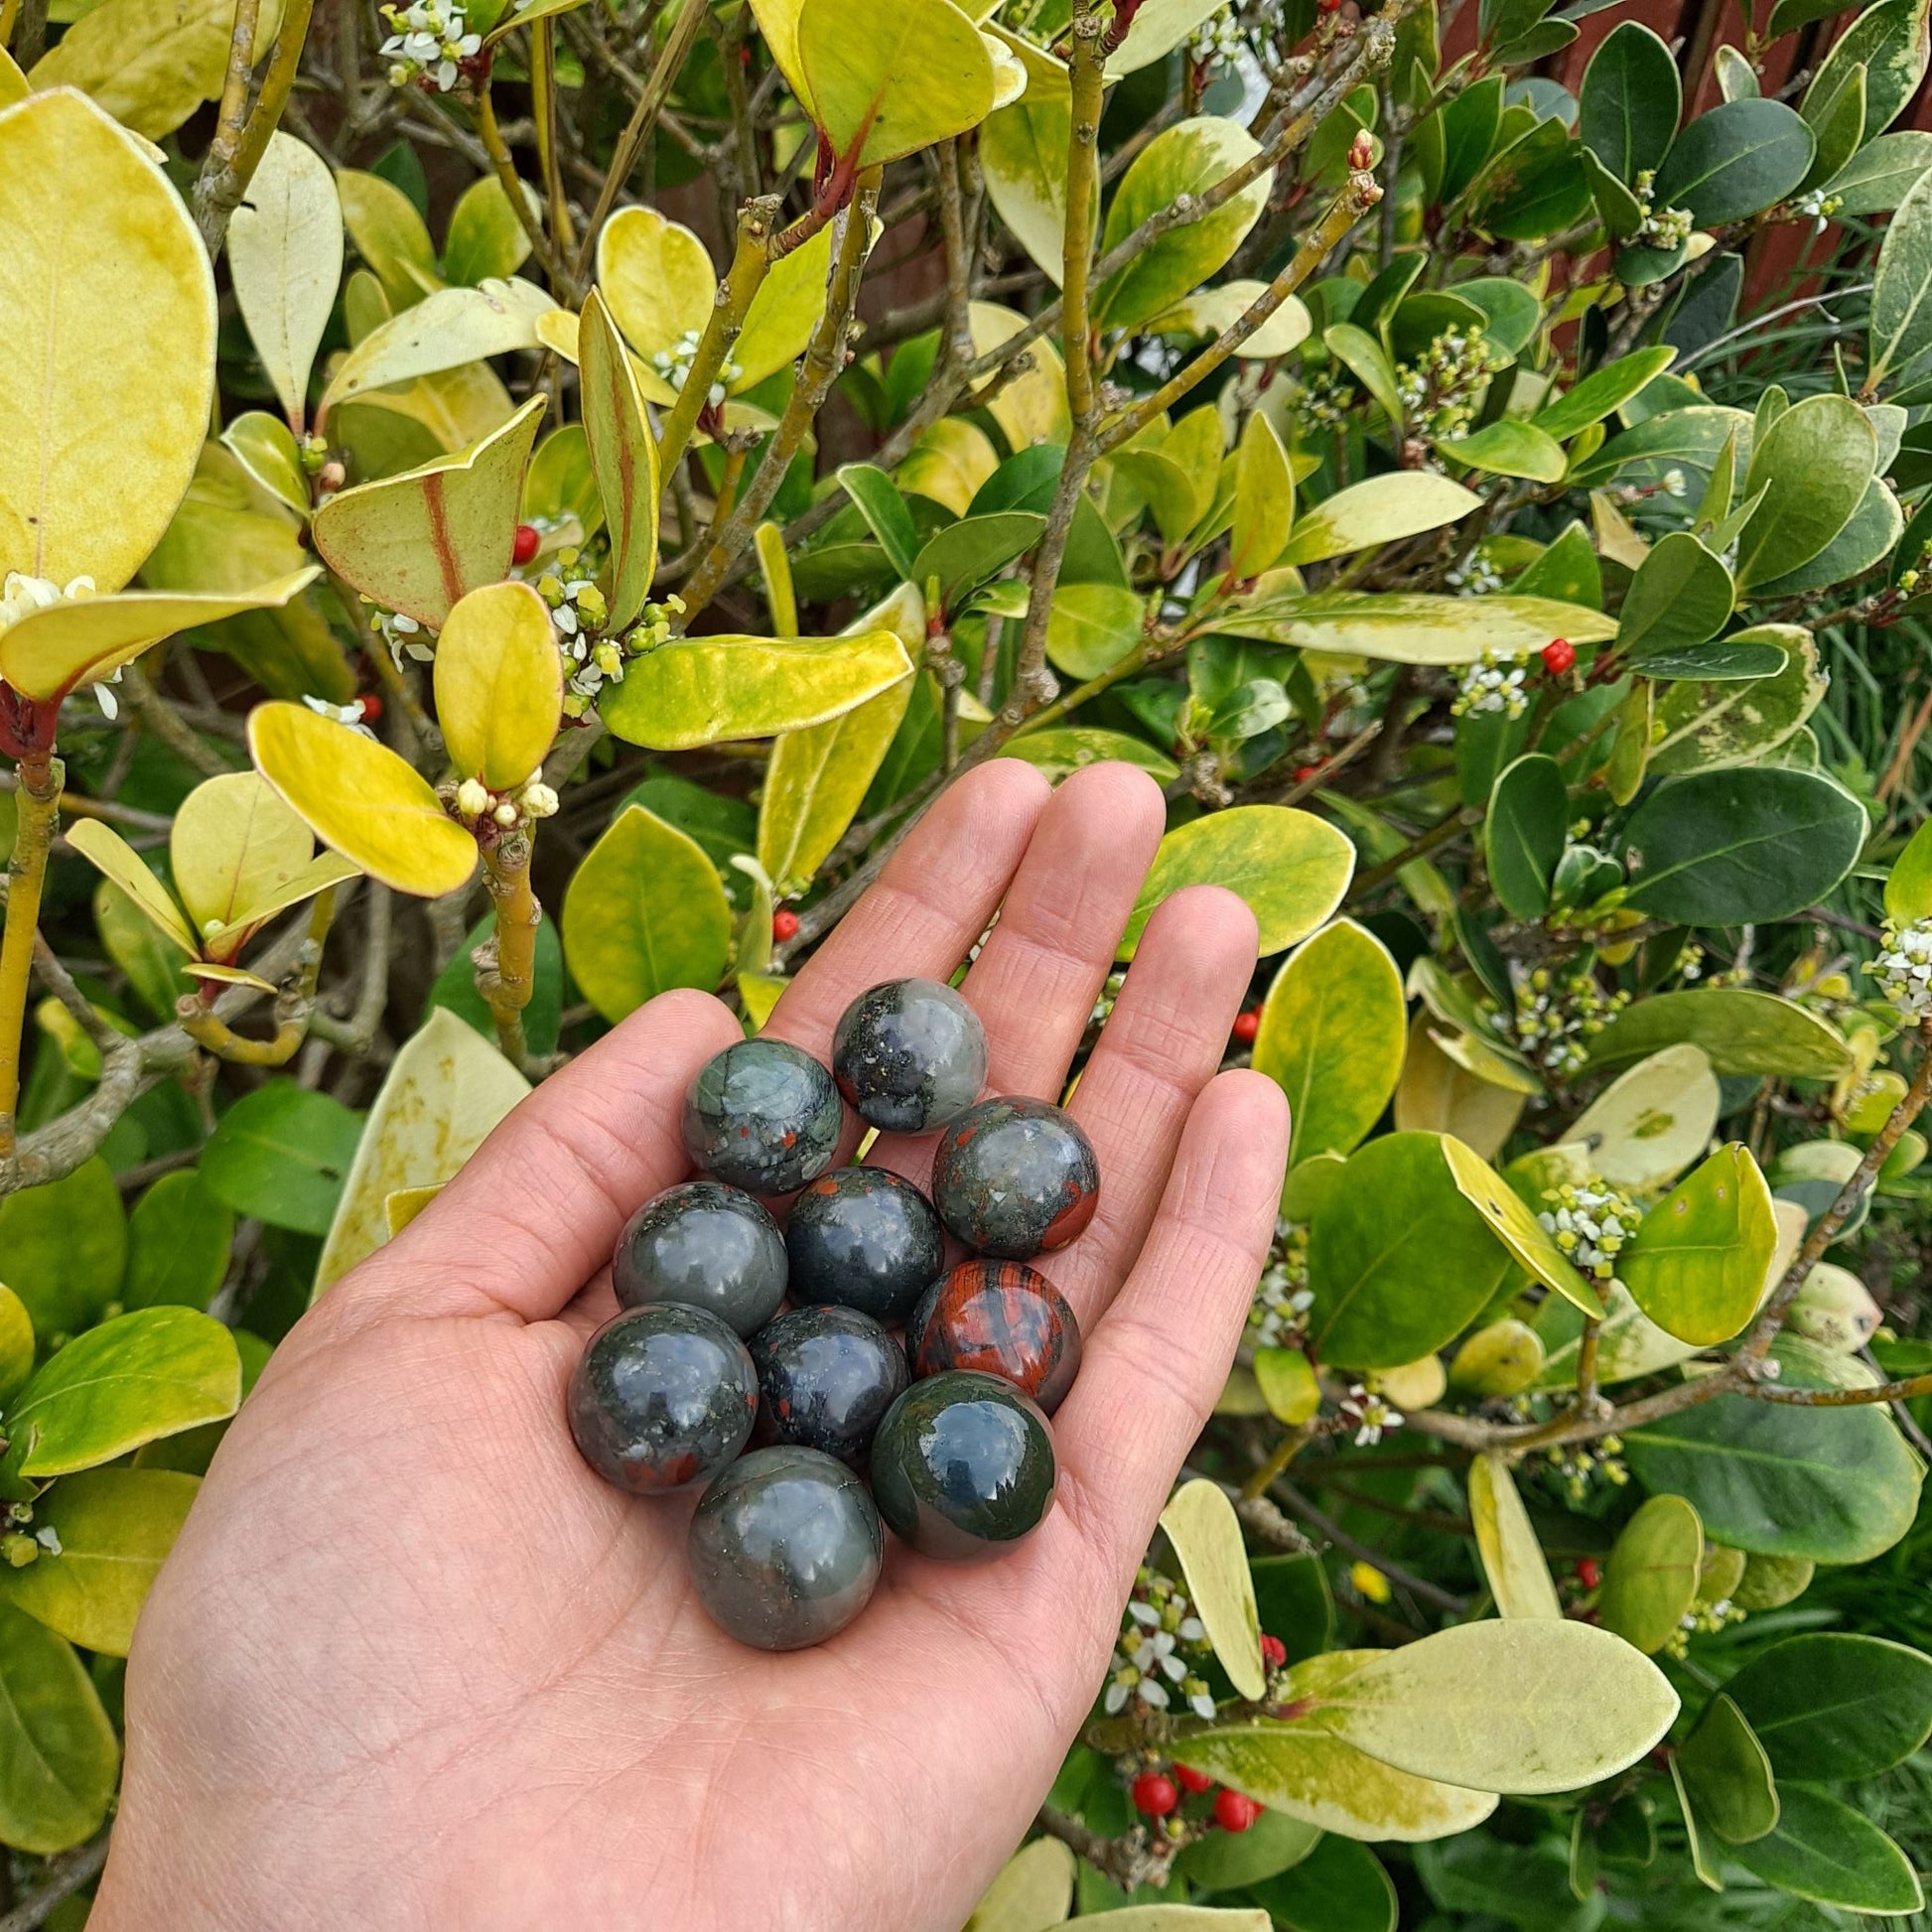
413,1665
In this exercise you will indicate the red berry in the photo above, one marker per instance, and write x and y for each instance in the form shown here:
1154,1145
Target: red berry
1233,1812
1195,1781
525,544
1590,1573
1303,772
1558,656
1274,1653
1154,1794
1246,1026
785,924
372,707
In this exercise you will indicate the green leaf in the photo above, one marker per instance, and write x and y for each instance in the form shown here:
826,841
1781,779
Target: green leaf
1681,595
1889,42
1287,1384
485,241
1524,834
644,913
1181,1918
1697,1263
1728,848
920,75
1708,727
58,1757
1830,1705
1628,104
63,1246
1412,627
1835,113
1813,464
1652,1121
973,551
281,1155
1736,161
1226,1862
17,1347
1291,867
1739,1028
1399,1260
1511,449
1264,500
1512,1558
1033,1894
178,1242
1469,121
1650,1581
1332,1033
1823,1849
1313,1777
1201,1523
1521,1705
1513,1223
623,457
1360,352
1837,1485
140,1376
1867,542
115,1527
1604,391
1341,1886
1384,510
1882,173
388,234
1059,749
1724,1770
696,691
886,513
1188,158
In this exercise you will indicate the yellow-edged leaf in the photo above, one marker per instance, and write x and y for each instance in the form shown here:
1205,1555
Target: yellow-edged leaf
623,457
500,684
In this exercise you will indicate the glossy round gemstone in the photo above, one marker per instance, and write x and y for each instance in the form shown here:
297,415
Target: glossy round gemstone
909,1056
1013,1177
1003,1318
865,1238
963,1465
785,1547
763,1115
662,1396
707,1246
826,1377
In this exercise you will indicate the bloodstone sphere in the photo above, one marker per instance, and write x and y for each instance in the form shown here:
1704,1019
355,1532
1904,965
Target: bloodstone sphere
909,1056
785,1547
707,1246
826,1377
1013,1177
963,1465
765,1116
662,1396
866,1239
1003,1318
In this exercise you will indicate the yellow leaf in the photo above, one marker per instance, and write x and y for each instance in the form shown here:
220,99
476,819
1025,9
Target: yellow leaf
1438,1095
107,852
759,993
623,457
1033,407
13,83
443,1094
1033,1894
1501,1358
656,279
500,684
948,463
202,969
1205,1533
402,1207
910,74
441,332
389,235
151,62
417,542
1512,1558
360,799
84,641
265,448
285,256
783,312
234,842
99,426
1516,1227
1264,500
326,868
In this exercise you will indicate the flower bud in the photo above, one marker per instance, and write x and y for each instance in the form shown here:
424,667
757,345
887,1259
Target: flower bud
471,798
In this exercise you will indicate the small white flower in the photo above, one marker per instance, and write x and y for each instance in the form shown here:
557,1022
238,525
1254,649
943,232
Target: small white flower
1903,968
471,798
538,801
49,1538
1371,1415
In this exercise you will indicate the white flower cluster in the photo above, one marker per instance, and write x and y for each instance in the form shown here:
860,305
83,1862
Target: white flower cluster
350,714
1158,1634
21,596
1494,684
426,42
1666,228
1279,1317
1707,1618
1556,1015
531,799
674,366
1903,968
1580,1466
1439,388
1324,402
1476,578
1369,1415
403,634
1591,1224
1217,40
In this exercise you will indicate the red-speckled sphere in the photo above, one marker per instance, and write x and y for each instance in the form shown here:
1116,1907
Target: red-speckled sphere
1003,1318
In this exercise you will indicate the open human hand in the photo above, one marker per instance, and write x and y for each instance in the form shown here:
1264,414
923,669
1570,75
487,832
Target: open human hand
413,1665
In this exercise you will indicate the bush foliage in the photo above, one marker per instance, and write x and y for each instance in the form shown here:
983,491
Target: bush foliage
509,509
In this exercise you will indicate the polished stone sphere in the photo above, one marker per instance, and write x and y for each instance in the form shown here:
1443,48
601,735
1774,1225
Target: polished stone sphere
1003,1318
707,1246
865,1238
662,1397
826,1377
909,1056
763,1116
1013,1177
963,1465
785,1547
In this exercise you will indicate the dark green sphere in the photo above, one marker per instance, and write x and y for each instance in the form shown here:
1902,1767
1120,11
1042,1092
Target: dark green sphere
785,1547
865,1238
910,1054
963,1465
1013,1177
662,1397
707,1246
826,1377
763,1116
